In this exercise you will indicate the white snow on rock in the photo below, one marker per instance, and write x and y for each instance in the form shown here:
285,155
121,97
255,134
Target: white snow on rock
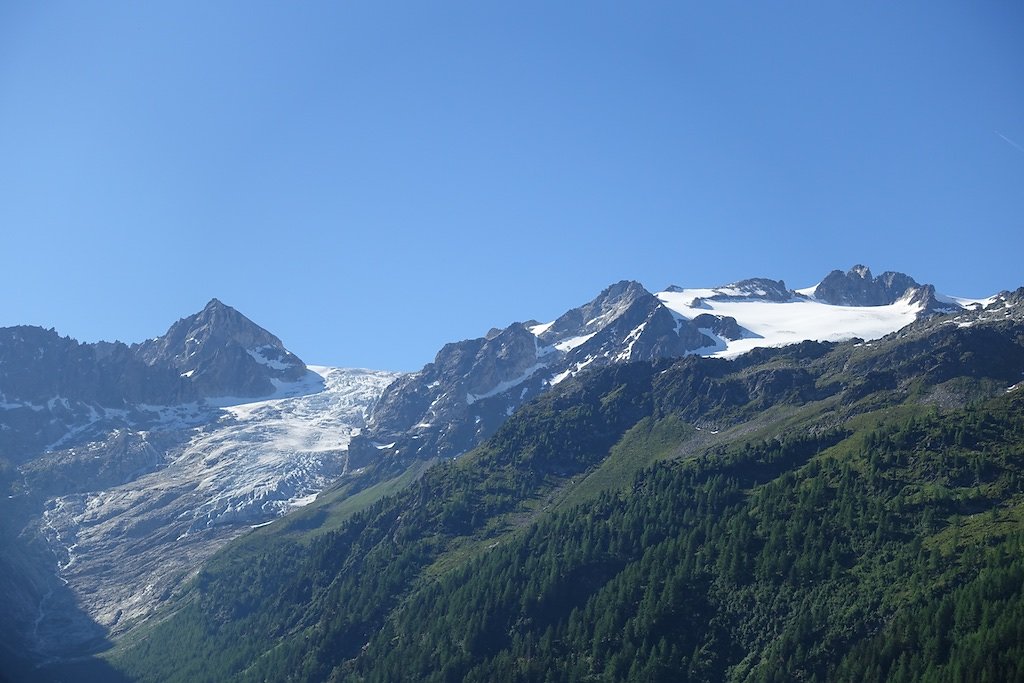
538,330
966,302
571,343
504,386
257,355
790,322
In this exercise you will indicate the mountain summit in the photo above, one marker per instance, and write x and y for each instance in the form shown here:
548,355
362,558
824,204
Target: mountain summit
474,385
224,353
856,287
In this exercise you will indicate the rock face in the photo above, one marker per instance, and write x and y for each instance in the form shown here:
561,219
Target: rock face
52,386
757,288
856,287
473,386
223,353
37,365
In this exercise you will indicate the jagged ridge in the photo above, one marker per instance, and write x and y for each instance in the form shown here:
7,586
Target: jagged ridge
472,386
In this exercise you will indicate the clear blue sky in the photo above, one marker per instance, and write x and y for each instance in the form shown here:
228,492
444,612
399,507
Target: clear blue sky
369,180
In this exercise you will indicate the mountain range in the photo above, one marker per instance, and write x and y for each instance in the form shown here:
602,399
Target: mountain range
472,386
133,468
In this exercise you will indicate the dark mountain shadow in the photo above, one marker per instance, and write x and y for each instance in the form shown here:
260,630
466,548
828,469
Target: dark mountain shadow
90,670
33,598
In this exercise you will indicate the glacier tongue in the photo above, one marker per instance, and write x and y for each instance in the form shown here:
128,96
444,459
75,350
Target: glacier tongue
124,549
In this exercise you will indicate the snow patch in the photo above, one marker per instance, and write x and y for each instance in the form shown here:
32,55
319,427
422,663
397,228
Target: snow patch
631,339
13,405
504,386
970,304
562,376
808,291
571,343
272,363
538,330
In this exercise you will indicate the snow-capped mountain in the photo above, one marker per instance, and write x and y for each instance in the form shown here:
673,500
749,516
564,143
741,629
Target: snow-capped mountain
55,390
137,463
223,353
473,385
842,306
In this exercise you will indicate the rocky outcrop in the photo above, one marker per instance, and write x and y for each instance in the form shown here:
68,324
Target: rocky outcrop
38,365
756,289
857,287
223,353
722,325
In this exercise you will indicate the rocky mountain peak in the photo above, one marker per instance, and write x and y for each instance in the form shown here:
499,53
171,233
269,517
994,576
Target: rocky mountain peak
856,287
223,353
51,386
217,323
593,316
473,385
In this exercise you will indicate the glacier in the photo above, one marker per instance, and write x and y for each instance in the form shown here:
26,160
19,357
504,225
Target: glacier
123,550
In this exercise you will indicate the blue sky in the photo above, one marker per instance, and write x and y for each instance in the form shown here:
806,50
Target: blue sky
372,180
